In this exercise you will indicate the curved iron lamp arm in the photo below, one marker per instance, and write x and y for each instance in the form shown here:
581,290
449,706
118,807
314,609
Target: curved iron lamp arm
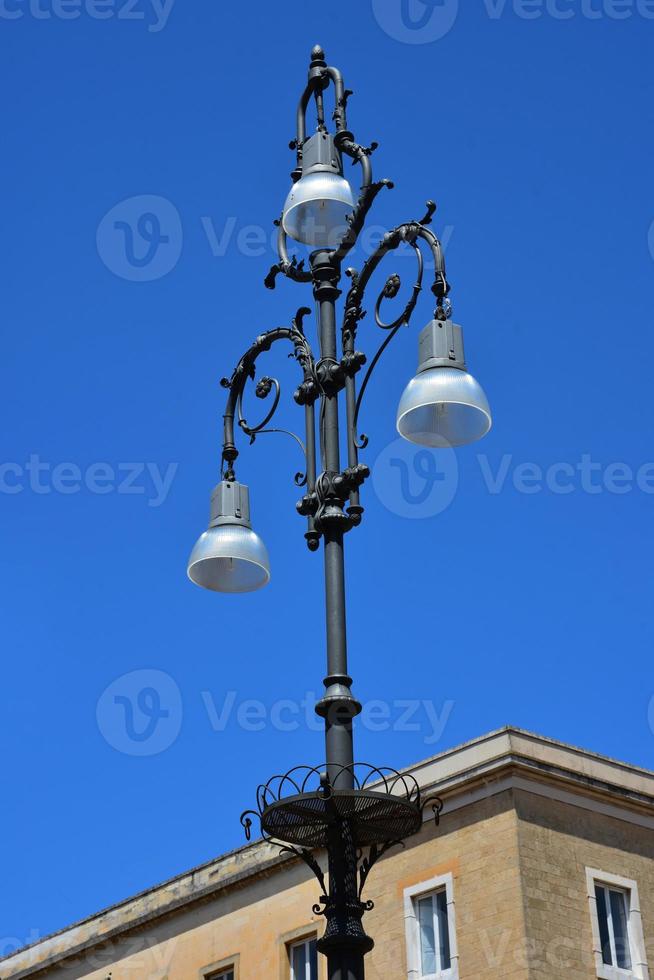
409,233
306,394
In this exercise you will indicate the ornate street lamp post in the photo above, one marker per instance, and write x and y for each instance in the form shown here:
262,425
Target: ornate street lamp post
352,811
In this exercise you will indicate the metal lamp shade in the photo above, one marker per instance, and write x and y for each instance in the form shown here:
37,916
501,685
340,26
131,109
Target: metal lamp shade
443,407
317,209
229,558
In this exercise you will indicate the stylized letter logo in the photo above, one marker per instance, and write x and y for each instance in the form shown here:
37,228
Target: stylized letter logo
149,229
140,239
408,8
416,21
141,713
414,482
425,466
149,704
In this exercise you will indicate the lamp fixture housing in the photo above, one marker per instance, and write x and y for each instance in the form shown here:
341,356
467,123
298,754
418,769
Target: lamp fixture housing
443,405
229,556
321,201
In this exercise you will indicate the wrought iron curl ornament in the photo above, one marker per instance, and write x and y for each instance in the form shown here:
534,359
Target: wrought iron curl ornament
245,372
367,864
411,234
435,803
264,386
301,853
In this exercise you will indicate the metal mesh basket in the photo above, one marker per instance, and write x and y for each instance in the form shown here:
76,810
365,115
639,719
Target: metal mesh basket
306,819
302,807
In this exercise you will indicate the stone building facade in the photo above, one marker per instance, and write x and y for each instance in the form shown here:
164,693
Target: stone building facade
542,868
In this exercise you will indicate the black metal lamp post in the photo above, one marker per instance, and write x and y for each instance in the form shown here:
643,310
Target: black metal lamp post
354,812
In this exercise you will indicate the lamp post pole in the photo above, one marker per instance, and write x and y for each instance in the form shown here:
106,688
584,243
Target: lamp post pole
345,943
354,812
338,706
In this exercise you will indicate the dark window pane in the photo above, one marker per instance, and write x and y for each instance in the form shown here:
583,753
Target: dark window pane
618,902
444,930
300,962
427,937
313,959
603,918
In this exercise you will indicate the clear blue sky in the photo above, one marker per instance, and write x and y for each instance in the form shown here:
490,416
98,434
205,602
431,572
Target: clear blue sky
534,133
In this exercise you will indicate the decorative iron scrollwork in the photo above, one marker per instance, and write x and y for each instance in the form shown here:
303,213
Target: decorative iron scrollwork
369,861
436,804
364,816
245,371
294,807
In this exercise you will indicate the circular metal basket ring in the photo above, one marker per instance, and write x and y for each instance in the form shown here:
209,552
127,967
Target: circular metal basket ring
374,818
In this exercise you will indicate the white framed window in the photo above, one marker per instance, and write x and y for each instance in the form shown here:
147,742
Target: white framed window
431,930
618,942
304,960
221,975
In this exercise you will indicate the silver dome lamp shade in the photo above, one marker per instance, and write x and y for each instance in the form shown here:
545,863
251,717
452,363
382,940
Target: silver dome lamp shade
443,405
320,203
229,556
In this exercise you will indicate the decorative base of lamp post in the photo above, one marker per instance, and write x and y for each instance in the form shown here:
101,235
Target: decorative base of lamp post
302,812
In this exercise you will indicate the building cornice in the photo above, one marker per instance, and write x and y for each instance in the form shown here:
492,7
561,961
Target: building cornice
483,761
